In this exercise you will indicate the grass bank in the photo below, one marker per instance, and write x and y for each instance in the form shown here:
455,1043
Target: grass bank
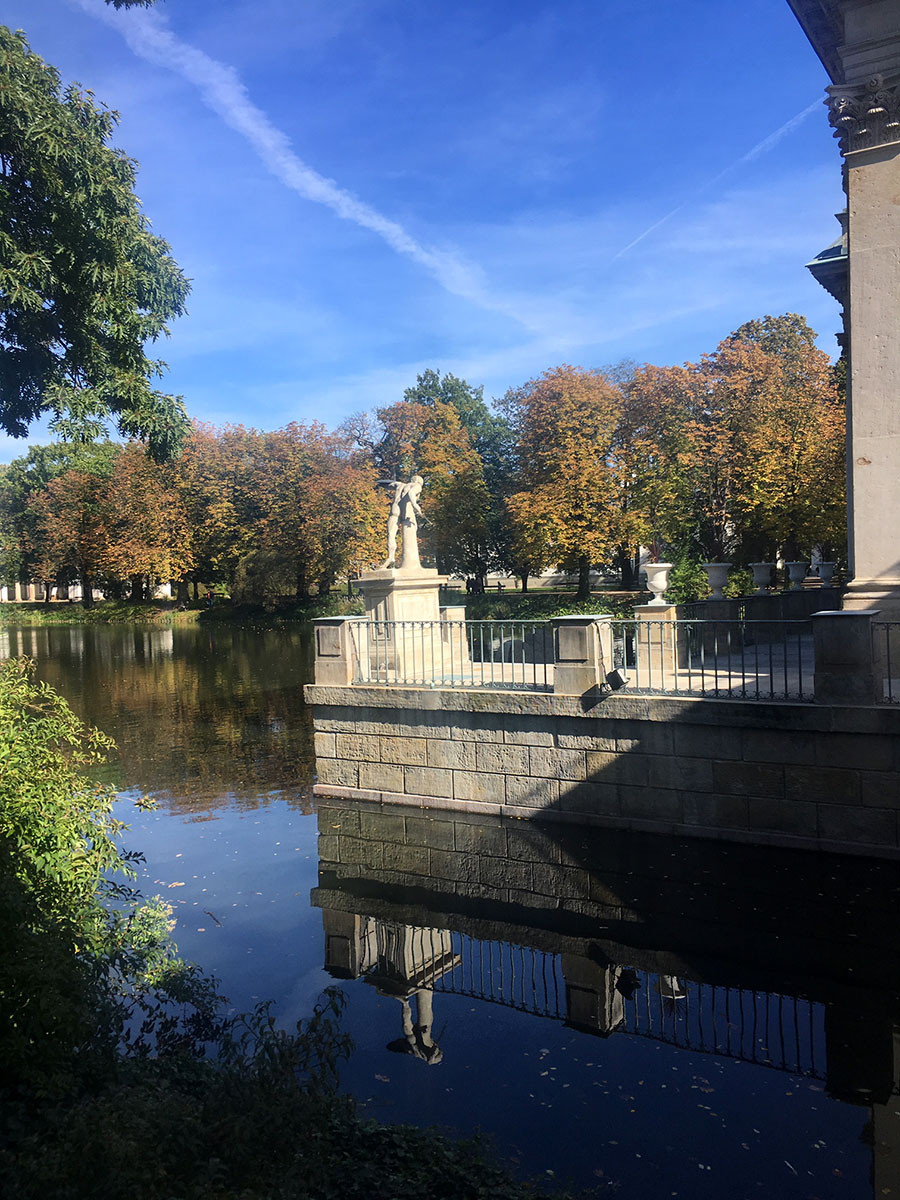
103,612
511,606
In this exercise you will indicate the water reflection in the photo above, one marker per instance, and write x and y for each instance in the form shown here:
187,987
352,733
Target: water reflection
786,961
201,716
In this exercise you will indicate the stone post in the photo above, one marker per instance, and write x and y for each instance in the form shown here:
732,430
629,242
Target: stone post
657,645
582,647
455,659
845,665
337,658
592,1002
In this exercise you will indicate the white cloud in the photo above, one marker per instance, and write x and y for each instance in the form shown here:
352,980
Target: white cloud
148,35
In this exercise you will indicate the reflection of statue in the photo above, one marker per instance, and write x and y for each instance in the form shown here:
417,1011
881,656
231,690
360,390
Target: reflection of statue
404,511
417,1039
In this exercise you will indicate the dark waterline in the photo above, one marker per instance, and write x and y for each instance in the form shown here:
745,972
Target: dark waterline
673,1020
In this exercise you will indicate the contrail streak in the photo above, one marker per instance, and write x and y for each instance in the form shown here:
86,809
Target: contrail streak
760,148
149,37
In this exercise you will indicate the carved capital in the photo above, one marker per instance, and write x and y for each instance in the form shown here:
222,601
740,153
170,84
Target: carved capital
867,114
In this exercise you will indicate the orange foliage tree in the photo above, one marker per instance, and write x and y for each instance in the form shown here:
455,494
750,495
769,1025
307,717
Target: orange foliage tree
741,455
68,536
272,514
146,527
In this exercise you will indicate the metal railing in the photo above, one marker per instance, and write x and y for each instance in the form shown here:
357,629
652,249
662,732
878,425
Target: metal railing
786,1033
740,660
464,654
886,656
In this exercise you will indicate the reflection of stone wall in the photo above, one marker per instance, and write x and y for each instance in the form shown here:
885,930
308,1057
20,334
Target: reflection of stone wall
752,916
785,774
766,921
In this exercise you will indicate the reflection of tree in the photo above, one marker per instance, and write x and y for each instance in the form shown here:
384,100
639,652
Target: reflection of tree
198,714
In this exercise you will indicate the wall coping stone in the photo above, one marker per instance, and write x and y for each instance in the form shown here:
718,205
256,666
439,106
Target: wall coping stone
678,710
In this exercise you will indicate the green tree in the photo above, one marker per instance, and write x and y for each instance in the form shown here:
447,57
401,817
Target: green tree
84,284
491,438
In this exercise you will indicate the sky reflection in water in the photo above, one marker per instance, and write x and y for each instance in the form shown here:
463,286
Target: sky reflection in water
212,722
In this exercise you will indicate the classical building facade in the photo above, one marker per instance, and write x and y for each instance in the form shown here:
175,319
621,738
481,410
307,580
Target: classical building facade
858,43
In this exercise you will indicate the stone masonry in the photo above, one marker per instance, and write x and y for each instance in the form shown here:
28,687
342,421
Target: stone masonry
822,776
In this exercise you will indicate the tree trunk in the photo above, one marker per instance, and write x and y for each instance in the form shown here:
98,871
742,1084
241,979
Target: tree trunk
181,591
196,589
628,570
301,585
325,582
87,591
46,593
523,575
584,578
137,589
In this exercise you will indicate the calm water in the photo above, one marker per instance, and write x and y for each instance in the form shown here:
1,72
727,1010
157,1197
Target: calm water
654,1017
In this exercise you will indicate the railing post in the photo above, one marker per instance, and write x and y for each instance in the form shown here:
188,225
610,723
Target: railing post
335,659
582,646
845,664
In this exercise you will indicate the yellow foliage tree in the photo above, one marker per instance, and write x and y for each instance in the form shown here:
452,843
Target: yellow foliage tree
568,507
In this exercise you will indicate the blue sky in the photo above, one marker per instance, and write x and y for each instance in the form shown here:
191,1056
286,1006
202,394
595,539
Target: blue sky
360,189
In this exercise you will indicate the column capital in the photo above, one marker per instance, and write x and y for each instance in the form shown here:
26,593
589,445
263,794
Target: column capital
865,115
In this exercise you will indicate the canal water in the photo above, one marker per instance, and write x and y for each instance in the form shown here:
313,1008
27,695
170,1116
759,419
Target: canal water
644,1015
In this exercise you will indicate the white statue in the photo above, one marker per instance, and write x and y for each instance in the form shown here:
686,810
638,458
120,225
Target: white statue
404,511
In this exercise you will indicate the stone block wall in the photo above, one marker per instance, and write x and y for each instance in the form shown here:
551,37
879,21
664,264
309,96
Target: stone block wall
795,775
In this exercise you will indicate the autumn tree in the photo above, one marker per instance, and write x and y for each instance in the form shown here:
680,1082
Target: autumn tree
217,476
743,452
491,438
84,285
567,507
145,523
25,477
425,434
319,506
654,453
69,535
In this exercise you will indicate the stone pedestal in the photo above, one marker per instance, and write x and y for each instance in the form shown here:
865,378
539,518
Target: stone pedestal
846,669
395,594
405,640
657,645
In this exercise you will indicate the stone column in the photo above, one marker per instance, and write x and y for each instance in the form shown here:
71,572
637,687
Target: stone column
864,108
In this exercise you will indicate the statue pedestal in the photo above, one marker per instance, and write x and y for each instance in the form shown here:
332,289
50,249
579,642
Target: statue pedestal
409,639
392,594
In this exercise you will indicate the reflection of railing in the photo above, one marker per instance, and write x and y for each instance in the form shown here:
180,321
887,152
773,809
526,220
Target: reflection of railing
494,654
886,654
742,660
783,1032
